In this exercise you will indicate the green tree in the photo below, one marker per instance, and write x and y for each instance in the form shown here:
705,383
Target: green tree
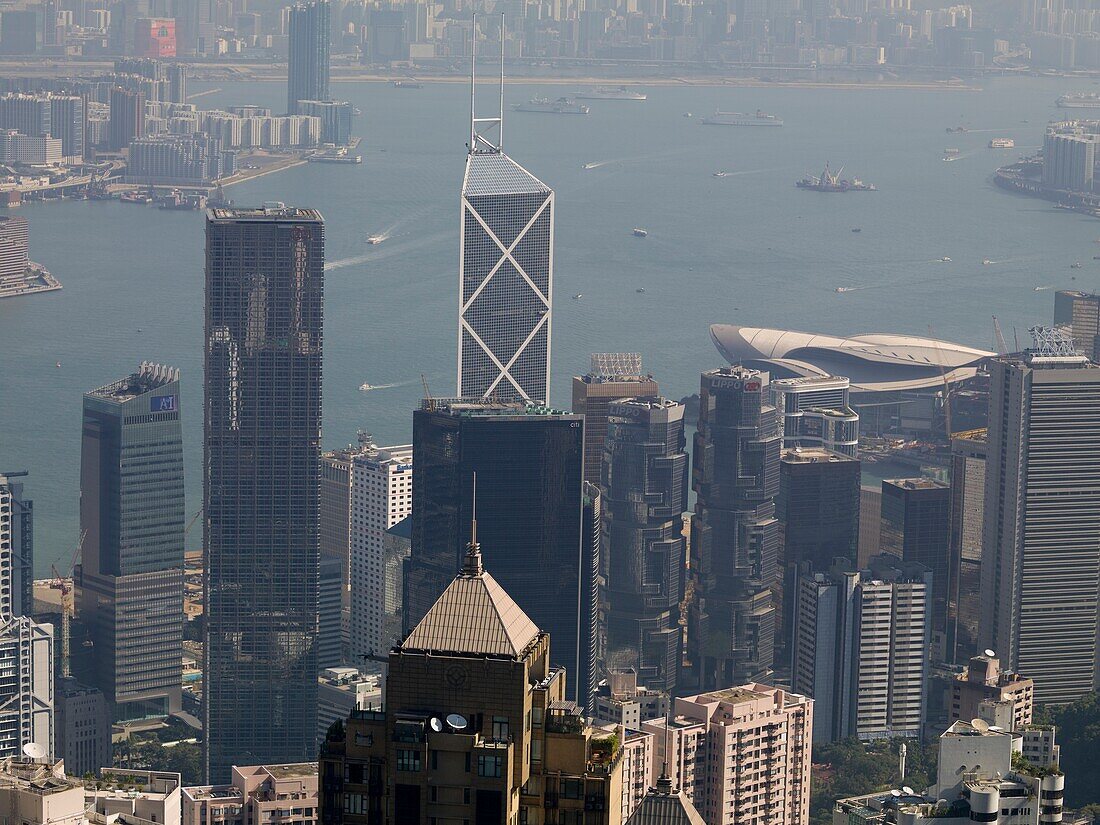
852,768
1079,739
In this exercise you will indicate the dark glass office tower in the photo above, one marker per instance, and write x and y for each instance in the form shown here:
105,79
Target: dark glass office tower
20,542
734,538
916,526
645,469
818,512
129,586
308,64
264,296
528,462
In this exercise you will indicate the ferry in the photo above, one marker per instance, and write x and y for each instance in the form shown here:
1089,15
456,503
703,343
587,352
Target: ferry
945,260
1082,100
760,118
951,153
367,387
639,232
591,166
375,239
610,93
721,173
561,106
1002,143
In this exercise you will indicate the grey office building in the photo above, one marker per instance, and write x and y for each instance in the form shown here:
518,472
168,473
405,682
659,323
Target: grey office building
968,457
308,64
1080,311
129,586
915,527
734,535
1040,546
612,375
530,516
645,472
264,297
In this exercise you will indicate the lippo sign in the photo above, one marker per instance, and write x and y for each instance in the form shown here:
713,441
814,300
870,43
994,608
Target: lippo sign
722,383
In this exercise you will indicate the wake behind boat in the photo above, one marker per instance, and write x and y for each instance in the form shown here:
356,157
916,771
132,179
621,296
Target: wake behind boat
561,106
760,118
610,93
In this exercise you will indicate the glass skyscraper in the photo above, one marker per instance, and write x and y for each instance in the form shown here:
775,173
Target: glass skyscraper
308,63
645,472
505,274
129,586
734,535
530,516
264,296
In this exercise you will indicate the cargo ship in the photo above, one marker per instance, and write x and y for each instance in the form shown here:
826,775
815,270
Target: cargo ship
1002,143
609,93
759,118
1082,100
833,182
561,106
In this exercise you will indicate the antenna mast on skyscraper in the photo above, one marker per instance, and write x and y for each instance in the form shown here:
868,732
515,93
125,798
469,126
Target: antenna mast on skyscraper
479,142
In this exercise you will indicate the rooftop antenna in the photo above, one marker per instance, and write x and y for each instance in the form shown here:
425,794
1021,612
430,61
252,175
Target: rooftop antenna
479,142
472,565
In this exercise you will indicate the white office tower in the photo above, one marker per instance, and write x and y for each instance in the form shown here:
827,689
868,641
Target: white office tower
381,496
505,269
1041,538
26,647
816,413
860,642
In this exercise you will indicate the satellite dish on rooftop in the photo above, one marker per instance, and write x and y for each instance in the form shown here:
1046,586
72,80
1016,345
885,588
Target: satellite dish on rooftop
979,725
456,721
989,653
907,790
436,724
34,750
895,793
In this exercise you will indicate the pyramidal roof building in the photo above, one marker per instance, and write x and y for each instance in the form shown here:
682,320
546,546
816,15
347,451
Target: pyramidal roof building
473,617
505,267
665,805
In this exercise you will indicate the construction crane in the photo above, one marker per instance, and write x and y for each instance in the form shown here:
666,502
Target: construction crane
999,342
427,392
65,585
946,384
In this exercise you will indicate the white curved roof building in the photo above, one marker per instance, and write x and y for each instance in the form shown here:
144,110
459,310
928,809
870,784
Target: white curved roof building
874,362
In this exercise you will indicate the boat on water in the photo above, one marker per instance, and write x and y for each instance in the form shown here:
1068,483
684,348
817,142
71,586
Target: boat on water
953,129
856,229
688,114
1002,143
639,232
408,83
951,153
640,289
578,296
1075,265
945,260
136,197
843,289
830,181
561,106
609,93
1080,100
375,239
591,165
759,118
367,387
986,262
721,173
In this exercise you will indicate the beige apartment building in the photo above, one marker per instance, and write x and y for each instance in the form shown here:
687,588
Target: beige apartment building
286,794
